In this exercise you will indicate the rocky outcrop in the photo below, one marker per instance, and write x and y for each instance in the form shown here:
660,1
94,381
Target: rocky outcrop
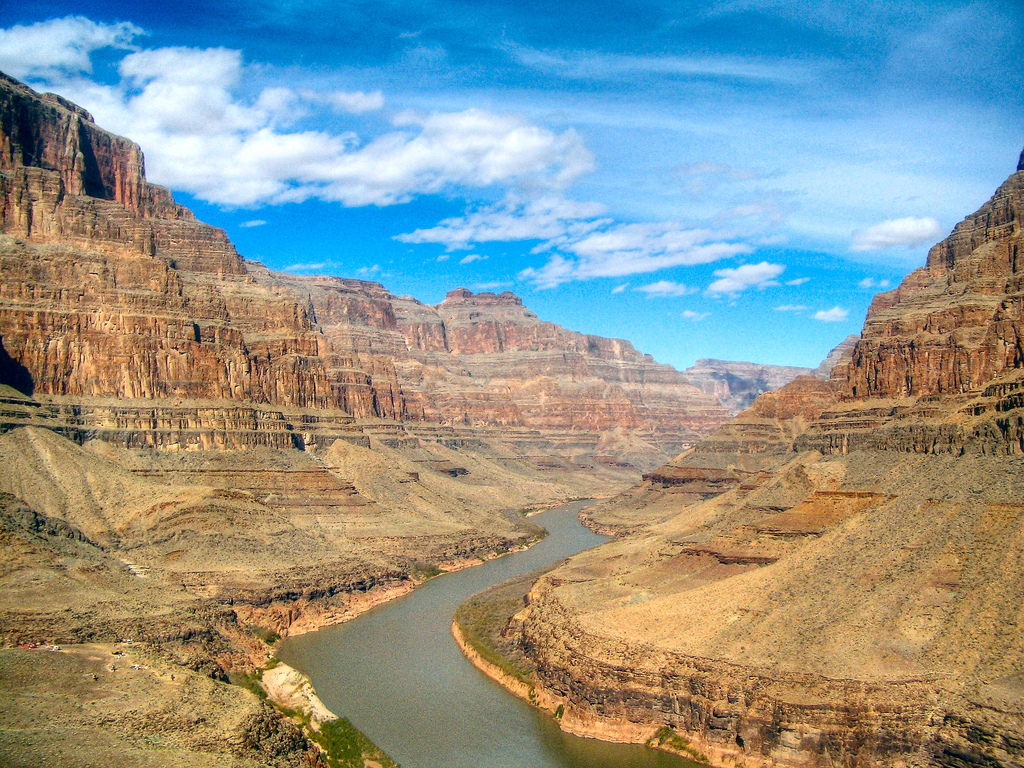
113,293
954,325
825,580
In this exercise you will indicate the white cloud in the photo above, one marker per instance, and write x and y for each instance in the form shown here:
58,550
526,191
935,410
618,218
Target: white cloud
797,281
665,288
909,232
60,46
834,315
471,258
869,282
738,279
617,250
443,257
371,271
356,102
252,223
184,106
548,217
620,288
689,314
599,66
791,308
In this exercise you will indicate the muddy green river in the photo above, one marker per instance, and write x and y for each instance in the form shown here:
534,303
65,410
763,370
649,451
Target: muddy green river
398,675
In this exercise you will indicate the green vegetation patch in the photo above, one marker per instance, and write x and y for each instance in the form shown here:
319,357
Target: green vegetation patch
483,617
248,680
670,741
347,747
268,636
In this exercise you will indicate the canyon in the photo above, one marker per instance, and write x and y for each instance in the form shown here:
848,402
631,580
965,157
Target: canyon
833,577
201,455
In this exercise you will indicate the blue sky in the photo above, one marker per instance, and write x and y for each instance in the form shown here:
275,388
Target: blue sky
730,179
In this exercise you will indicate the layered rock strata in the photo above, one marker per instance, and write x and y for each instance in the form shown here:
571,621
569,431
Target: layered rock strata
112,292
831,578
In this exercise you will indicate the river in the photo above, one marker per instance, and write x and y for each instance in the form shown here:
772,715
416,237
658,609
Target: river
398,675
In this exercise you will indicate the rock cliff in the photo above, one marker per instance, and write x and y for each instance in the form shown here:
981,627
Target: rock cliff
112,292
831,578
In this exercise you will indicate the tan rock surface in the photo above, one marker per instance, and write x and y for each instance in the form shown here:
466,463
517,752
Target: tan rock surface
832,578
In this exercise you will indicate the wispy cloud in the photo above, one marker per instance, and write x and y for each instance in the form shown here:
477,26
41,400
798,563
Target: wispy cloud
791,308
797,281
909,232
869,283
547,217
594,65
834,315
736,280
355,102
252,223
689,314
620,288
308,266
665,288
471,258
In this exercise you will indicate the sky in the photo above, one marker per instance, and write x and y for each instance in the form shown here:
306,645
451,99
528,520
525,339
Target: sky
706,178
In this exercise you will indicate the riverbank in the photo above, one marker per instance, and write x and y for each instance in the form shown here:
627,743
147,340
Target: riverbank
398,674
480,629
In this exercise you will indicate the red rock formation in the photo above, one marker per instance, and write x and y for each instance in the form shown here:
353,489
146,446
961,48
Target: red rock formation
955,324
113,291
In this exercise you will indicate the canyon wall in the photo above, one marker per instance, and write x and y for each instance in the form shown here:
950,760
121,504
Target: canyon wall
831,578
112,292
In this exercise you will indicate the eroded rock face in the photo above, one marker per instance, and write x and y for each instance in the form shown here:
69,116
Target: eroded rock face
825,580
954,325
113,291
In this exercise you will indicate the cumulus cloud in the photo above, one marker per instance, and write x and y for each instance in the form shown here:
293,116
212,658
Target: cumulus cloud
910,232
60,45
583,242
665,288
834,315
738,279
183,105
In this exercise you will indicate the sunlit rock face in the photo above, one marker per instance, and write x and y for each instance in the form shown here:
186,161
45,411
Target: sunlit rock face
112,291
832,578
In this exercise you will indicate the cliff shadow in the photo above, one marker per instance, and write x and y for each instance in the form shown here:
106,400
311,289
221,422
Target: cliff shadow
14,374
